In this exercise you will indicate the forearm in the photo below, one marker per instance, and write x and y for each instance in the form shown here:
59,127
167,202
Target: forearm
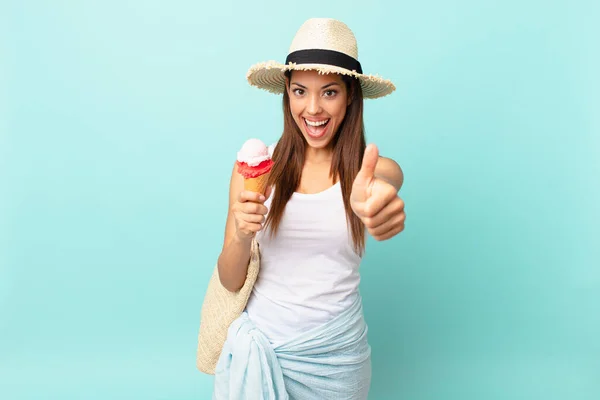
389,171
233,263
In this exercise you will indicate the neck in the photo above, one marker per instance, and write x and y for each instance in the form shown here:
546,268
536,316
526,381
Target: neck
318,156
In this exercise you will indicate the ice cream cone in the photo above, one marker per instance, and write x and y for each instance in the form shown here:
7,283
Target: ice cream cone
257,184
254,164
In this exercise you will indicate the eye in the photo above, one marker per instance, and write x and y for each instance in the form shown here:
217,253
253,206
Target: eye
330,93
298,92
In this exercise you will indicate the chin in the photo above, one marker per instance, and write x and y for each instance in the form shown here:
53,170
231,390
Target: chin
318,144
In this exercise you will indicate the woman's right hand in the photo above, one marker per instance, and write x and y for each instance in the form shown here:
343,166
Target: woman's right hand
249,212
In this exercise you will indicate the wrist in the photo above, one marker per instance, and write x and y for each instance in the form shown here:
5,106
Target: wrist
242,239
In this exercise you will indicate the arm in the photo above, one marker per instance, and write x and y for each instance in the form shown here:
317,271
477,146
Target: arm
235,256
389,171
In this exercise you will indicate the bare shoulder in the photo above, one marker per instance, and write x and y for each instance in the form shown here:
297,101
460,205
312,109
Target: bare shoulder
389,170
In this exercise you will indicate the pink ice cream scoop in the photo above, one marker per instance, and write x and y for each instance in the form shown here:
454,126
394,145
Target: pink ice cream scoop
253,152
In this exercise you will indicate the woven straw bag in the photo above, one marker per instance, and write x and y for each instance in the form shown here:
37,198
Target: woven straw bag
219,309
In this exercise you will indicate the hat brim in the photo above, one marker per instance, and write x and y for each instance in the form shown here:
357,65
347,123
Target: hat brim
270,76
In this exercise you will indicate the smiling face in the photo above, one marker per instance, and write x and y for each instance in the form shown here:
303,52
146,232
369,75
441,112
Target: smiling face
318,105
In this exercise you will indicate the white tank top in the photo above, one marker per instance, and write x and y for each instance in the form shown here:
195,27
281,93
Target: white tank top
309,270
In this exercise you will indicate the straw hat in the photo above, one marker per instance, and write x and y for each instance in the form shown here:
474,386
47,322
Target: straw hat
325,45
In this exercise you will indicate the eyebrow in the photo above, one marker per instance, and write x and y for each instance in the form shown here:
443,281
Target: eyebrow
324,87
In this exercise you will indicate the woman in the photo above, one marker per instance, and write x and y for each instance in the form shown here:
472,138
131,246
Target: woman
303,335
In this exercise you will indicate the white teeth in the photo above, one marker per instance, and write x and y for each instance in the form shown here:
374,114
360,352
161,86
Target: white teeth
316,123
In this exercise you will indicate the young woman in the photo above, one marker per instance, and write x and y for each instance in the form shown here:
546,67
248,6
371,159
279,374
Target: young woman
303,335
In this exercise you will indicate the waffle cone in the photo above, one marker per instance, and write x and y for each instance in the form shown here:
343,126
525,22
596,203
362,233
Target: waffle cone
258,184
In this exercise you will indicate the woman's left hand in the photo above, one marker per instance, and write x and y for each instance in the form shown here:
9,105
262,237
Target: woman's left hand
376,201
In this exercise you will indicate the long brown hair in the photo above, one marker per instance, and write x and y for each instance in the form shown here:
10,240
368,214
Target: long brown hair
348,148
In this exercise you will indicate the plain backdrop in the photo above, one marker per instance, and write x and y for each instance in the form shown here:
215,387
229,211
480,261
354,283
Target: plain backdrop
119,126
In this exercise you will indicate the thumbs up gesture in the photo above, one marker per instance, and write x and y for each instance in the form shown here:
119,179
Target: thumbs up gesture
374,200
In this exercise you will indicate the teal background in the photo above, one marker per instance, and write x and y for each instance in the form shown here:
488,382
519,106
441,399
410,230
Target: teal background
119,124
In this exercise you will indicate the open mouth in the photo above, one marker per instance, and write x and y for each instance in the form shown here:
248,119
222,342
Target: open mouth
316,129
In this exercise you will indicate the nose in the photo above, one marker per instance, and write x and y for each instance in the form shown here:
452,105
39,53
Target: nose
314,106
